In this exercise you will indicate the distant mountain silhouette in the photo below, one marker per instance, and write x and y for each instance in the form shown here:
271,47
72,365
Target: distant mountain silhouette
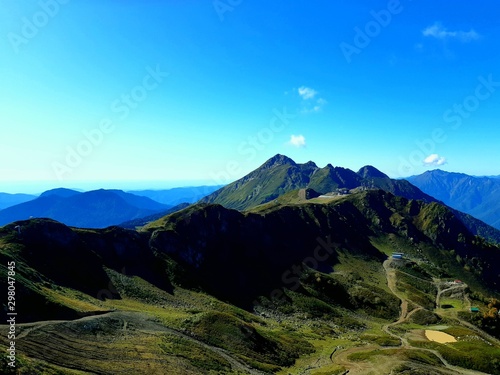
60,192
93,209
135,223
477,196
178,195
8,200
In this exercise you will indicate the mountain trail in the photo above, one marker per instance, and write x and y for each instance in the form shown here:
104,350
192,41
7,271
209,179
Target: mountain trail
143,324
391,283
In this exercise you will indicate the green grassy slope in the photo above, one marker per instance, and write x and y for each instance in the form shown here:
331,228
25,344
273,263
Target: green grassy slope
294,285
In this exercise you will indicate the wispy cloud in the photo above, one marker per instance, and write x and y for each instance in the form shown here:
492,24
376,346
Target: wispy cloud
438,31
307,93
309,101
434,160
297,141
320,103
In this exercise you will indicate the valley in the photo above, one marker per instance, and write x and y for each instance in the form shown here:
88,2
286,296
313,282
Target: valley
392,357
110,342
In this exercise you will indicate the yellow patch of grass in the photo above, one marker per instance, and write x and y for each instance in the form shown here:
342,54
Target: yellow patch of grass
170,316
72,299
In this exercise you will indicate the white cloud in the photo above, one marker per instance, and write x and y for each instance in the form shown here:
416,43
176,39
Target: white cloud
439,32
310,103
297,141
307,93
320,103
434,160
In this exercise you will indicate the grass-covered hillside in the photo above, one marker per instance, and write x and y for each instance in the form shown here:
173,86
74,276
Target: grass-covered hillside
295,286
281,174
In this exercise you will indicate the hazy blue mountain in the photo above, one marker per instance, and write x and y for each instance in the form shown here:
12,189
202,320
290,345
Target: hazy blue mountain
136,223
7,200
60,192
93,209
477,196
178,195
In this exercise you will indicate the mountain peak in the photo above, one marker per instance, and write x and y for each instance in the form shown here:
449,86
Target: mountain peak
277,160
311,164
369,171
281,174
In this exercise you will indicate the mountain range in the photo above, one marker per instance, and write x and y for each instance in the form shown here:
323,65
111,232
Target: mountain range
280,174
332,272
277,289
477,196
100,208
93,209
175,196
7,200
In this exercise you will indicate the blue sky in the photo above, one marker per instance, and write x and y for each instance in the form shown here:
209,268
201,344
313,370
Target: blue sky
158,94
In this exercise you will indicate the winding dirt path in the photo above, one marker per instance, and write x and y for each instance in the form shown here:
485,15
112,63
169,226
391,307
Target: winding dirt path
391,282
148,328
27,328
441,291
341,357
235,363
